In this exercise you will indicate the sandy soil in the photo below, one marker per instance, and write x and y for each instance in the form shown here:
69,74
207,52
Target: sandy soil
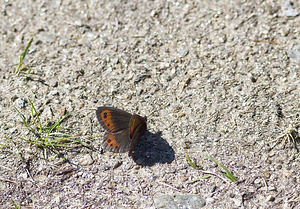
214,78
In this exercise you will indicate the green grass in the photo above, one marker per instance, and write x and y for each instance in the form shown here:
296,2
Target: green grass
22,67
227,173
51,138
16,206
3,145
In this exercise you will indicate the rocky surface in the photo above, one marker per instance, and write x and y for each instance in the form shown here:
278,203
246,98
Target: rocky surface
216,78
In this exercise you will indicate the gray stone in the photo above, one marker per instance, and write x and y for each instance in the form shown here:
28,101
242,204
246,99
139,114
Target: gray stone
86,160
294,53
288,9
20,102
190,201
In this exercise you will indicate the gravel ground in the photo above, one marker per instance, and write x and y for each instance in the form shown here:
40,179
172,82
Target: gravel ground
214,78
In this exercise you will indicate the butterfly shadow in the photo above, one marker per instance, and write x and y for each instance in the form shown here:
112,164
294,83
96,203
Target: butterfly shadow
153,149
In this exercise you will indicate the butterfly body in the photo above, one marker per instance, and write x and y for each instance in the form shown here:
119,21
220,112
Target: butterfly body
124,129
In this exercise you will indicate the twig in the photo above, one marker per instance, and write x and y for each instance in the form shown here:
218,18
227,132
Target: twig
266,185
7,180
165,184
266,41
214,174
187,82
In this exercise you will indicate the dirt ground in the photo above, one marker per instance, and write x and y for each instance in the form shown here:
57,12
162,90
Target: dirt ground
214,78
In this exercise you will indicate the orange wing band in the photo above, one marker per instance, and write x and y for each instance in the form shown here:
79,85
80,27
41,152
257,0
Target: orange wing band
107,119
112,143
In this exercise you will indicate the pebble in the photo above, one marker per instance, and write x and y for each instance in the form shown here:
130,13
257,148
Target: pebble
3,186
237,202
86,160
140,77
54,92
288,9
117,164
257,181
41,179
213,189
294,53
183,53
179,201
272,188
271,198
20,102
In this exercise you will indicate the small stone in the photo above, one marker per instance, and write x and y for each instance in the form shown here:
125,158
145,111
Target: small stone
53,83
86,160
210,200
180,115
41,179
271,198
169,78
183,53
257,181
267,175
137,167
271,188
105,168
140,77
288,9
237,202
253,79
118,164
223,39
115,60
47,112
213,189
54,93
23,175
85,175
20,103
294,53
177,201
62,111
187,145
95,170
183,179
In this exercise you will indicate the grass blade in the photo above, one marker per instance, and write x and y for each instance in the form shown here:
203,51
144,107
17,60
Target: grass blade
26,124
22,57
32,142
228,174
36,115
191,163
14,204
199,179
55,125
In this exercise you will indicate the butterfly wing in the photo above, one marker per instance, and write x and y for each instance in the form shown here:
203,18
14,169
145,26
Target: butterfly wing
138,127
125,129
117,142
113,119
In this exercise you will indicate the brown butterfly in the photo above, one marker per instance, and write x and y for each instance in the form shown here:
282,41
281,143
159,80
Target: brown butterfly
124,129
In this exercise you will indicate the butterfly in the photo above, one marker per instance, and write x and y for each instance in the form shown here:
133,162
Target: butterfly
124,129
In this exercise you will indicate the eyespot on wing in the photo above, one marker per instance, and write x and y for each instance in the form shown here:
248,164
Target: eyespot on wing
111,143
113,119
